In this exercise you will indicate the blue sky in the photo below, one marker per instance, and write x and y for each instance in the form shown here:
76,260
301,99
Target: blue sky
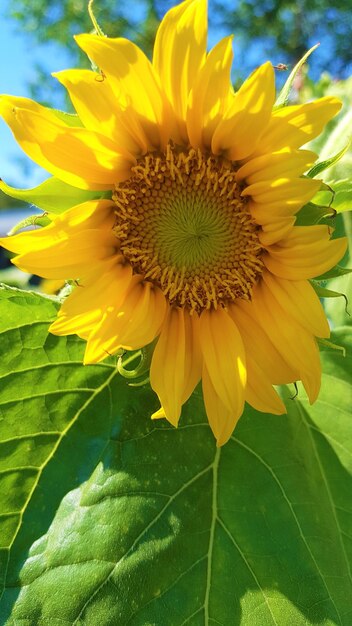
18,57
17,60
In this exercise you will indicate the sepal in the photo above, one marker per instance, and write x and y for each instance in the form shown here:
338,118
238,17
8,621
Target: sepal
283,97
53,195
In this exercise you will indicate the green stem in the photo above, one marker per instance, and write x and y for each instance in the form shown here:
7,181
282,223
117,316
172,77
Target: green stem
97,28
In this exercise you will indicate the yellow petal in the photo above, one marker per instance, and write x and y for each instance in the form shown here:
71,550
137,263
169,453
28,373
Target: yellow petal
98,108
274,231
293,126
222,420
278,189
260,394
257,344
84,309
284,164
209,95
70,245
130,325
134,83
268,213
69,258
264,365
176,364
179,53
89,215
224,358
299,299
77,156
248,115
159,414
296,345
304,253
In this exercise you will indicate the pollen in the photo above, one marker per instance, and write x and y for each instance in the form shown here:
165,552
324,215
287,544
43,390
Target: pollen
182,224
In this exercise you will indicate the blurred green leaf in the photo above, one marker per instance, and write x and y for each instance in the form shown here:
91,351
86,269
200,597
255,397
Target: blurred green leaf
321,166
110,518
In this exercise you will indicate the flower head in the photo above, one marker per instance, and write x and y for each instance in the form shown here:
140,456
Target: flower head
197,248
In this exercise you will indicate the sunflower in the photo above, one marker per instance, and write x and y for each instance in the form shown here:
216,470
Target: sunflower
195,249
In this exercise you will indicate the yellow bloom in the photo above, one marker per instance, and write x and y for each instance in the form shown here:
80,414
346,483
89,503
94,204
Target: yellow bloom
198,246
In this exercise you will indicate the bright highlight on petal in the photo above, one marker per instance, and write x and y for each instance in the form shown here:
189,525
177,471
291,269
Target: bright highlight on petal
77,156
99,109
210,95
134,84
196,254
247,115
179,53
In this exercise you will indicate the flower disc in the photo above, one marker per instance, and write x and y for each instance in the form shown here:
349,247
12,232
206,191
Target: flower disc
182,223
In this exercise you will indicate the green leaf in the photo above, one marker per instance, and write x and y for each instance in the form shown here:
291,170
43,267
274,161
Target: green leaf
336,139
338,196
334,273
110,518
284,94
95,23
53,195
325,343
322,292
312,213
324,165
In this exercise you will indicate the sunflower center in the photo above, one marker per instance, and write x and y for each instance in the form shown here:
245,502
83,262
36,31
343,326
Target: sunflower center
183,225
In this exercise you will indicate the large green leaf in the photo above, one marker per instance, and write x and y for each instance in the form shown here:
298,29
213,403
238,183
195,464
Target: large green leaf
111,519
